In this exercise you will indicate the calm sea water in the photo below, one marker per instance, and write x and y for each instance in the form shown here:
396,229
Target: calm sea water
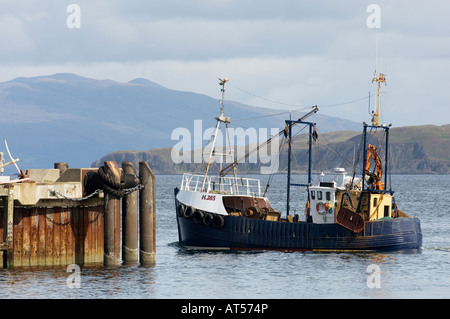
182,274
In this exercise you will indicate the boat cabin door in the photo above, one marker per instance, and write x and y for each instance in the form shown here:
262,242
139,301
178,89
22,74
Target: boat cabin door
322,204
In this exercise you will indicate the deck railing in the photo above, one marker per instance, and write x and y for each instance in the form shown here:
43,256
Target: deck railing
221,185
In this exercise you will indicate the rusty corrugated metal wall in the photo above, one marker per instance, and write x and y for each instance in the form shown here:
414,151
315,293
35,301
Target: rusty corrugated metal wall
51,236
61,216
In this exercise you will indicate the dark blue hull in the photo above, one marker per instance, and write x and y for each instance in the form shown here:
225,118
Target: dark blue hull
240,233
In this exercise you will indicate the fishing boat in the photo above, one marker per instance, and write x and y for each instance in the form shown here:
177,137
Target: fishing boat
220,212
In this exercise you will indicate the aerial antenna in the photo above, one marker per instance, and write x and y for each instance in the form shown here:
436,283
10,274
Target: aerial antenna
222,83
378,78
376,53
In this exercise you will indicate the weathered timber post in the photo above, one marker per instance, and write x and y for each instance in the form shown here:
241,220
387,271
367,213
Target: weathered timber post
130,241
8,214
147,225
111,254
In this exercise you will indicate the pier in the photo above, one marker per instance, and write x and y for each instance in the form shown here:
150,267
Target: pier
64,216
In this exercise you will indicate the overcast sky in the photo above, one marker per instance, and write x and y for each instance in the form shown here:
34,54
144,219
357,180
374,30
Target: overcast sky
277,54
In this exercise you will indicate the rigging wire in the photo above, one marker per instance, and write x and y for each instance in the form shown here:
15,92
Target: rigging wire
280,147
349,102
266,99
326,145
301,107
225,170
283,142
270,115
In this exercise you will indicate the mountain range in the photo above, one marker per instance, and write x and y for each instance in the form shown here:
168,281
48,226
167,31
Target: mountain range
421,149
69,118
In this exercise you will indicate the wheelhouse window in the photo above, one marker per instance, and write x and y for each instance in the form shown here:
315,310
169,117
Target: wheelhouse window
313,194
319,195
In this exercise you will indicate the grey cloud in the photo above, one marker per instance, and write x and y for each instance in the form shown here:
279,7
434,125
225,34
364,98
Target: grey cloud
119,31
185,30
309,49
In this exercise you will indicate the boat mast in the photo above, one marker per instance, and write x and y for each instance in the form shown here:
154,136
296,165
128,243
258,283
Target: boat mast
220,119
379,78
290,123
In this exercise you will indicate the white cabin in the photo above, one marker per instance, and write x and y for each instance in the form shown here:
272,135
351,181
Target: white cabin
323,203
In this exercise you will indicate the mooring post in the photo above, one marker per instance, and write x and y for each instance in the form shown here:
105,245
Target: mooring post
130,241
147,227
111,253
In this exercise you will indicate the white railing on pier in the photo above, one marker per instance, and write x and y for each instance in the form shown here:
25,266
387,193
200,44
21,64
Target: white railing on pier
221,185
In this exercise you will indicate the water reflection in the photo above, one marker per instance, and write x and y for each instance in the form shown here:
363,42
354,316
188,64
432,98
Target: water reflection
180,273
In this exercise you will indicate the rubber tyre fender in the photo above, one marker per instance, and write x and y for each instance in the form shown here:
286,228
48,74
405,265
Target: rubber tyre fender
180,210
189,212
197,216
208,219
218,221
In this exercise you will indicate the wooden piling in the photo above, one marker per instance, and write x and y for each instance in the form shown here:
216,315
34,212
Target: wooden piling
130,253
147,225
112,220
56,217
8,224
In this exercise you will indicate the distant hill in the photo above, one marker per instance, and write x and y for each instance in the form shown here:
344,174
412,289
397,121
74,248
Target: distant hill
413,150
73,119
424,149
